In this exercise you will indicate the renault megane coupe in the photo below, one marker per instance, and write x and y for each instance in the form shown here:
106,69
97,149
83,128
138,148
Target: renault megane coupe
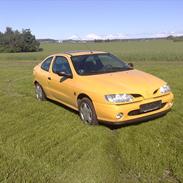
101,87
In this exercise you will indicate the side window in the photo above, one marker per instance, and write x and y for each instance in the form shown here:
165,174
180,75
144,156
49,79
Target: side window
46,64
61,64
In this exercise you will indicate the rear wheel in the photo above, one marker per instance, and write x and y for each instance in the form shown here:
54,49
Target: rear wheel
87,111
40,95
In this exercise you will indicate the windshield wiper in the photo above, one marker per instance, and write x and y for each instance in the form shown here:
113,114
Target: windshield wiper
116,69
107,71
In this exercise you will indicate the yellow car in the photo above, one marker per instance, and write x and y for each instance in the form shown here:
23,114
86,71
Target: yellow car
101,87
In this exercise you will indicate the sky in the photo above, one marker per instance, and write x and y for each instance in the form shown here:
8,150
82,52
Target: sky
93,19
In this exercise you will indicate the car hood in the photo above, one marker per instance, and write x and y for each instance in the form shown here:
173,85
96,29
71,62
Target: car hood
131,82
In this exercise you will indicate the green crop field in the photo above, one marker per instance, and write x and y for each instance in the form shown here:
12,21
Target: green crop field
157,50
46,142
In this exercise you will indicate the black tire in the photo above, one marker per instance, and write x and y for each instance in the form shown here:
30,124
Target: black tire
92,118
40,94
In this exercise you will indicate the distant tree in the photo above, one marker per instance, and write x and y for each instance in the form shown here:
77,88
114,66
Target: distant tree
15,41
1,41
107,40
175,38
170,37
29,41
178,39
98,40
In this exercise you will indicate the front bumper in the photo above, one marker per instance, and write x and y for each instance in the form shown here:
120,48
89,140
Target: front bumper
107,112
137,120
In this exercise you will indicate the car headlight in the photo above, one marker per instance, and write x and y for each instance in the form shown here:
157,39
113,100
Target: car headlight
164,89
118,98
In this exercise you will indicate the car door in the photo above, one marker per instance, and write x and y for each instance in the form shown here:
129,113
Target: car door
44,74
61,87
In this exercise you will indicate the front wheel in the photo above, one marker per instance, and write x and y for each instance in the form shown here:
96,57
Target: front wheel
87,111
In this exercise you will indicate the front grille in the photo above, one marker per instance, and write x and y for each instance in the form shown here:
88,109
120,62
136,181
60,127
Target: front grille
138,111
136,95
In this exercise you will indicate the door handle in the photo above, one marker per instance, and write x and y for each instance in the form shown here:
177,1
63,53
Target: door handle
49,78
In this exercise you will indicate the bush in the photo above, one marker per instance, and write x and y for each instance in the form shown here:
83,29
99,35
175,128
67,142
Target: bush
15,41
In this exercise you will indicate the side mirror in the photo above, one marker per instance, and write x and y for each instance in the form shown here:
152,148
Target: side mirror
131,65
64,74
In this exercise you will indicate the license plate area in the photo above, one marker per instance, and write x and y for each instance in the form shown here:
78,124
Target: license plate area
150,106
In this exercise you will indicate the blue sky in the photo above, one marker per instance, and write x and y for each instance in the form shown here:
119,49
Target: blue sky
93,18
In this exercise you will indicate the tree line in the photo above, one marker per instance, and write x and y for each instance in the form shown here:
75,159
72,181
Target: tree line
175,38
15,41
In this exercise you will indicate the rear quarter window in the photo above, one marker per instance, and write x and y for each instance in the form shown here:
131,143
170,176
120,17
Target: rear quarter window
46,64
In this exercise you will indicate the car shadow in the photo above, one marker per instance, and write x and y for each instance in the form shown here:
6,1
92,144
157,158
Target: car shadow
62,105
107,124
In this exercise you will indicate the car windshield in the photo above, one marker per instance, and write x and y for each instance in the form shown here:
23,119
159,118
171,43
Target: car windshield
98,64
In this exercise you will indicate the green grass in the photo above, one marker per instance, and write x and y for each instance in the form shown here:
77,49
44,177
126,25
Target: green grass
45,142
157,50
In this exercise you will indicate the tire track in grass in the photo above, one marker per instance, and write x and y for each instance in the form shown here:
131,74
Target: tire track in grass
24,115
118,161
27,128
10,90
72,152
75,172
39,133
148,151
40,161
101,163
58,142
19,168
29,159
106,148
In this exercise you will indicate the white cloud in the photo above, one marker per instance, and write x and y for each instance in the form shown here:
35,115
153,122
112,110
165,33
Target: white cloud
160,35
177,34
165,34
93,36
116,36
74,37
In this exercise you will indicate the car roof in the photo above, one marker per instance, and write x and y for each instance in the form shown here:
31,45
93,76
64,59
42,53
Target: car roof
80,52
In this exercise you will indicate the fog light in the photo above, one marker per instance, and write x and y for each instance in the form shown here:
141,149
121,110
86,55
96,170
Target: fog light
119,115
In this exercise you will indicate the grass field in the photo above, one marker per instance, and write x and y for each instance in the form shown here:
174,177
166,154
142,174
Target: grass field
46,142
